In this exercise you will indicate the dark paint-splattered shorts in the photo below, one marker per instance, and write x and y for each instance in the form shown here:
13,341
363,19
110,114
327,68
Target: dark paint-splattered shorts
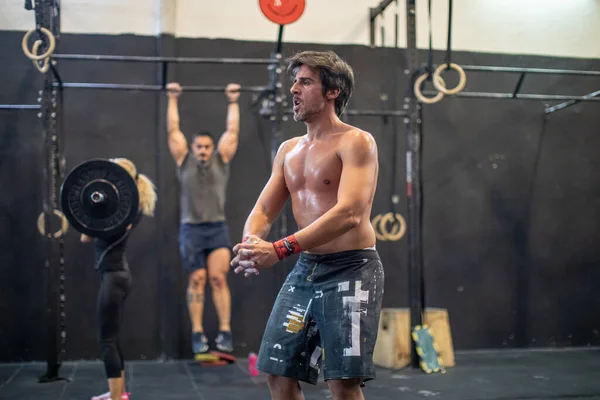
326,314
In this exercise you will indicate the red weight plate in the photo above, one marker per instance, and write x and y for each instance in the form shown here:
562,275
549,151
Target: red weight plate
282,12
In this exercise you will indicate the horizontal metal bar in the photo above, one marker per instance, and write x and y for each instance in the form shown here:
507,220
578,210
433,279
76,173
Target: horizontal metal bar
484,68
553,97
112,86
365,113
255,89
566,104
19,106
376,113
156,88
190,60
483,95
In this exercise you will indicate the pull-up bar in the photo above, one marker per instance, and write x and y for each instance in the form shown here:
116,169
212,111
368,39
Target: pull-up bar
523,96
153,88
366,113
19,107
568,99
486,68
164,61
152,59
376,113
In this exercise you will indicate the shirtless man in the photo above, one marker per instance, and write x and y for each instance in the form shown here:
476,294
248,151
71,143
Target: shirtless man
327,312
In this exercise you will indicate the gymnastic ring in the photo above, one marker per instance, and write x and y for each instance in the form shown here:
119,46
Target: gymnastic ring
428,100
45,63
382,234
390,235
462,78
51,44
64,224
375,224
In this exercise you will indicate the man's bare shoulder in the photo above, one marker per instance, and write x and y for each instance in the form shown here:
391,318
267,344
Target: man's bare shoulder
285,147
289,144
357,140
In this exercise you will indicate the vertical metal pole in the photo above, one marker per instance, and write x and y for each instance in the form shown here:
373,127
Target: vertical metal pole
47,16
52,349
413,181
396,26
162,273
275,101
165,65
371,27
276,86
59,172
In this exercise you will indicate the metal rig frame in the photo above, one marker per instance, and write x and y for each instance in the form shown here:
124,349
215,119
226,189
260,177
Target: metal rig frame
47,14
270,98
413,124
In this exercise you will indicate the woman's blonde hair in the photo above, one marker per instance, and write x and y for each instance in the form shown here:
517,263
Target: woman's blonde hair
145,186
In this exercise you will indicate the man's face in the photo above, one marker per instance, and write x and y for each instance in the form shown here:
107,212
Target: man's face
307,90
203,148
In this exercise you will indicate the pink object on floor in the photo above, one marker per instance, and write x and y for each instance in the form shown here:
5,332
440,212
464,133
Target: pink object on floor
252,358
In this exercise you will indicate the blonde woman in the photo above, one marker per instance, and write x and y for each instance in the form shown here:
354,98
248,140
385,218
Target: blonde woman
115,286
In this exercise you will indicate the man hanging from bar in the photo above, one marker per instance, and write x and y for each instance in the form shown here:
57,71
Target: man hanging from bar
204,240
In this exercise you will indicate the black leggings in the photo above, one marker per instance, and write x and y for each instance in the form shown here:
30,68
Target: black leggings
114,289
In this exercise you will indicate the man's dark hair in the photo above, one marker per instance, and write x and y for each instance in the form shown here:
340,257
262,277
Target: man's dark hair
202,134
335,73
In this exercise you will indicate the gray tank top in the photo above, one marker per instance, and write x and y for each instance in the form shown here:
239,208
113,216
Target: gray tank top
202,189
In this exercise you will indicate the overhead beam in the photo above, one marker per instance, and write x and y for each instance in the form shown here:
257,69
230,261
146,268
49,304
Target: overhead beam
155,59
522,96
374,12
490,68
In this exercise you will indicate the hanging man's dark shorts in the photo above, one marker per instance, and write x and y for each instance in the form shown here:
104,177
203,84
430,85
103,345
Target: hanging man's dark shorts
326,314
197,241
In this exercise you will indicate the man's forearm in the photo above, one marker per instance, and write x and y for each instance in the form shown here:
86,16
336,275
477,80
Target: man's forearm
172,115
233,118
331,225
257,224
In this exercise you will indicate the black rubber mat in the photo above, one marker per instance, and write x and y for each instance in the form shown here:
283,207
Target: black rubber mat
503,375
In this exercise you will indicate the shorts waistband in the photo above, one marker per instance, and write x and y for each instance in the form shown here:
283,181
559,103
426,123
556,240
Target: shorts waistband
347,255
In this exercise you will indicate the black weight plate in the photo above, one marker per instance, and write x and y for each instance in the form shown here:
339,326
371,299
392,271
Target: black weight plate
99,198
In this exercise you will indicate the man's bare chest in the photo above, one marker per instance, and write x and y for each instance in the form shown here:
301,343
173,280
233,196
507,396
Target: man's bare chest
314,168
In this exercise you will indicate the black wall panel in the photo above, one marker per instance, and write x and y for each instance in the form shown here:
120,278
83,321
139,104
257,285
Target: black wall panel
510,200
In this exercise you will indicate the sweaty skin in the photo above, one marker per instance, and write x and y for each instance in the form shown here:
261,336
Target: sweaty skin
313,173
330,174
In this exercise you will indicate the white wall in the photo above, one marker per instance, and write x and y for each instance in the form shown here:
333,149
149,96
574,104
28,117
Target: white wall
546,27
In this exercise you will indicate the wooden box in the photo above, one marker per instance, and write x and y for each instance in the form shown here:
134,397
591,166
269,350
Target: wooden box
392,349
